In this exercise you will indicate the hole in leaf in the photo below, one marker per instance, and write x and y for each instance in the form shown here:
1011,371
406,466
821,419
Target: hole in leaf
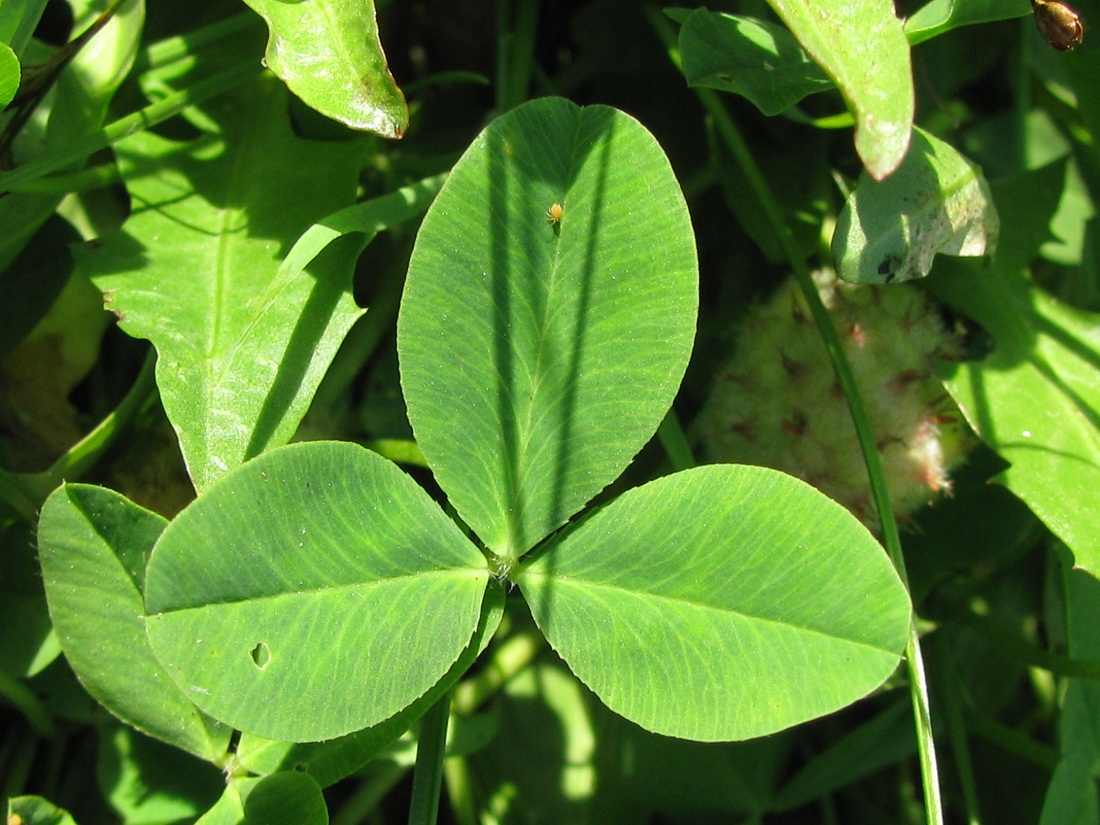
261,655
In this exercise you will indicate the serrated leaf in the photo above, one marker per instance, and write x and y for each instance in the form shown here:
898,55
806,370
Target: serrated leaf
93,544
936,202
862,46
696,605
313,592
328,53
537,358
241,345
749,57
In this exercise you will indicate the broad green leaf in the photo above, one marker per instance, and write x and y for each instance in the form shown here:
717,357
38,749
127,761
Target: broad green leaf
328,53
196,271
749,57
312,592
862,46
937,202
940,16
1034,399
698,605
329,762
286,798
538,358
93,544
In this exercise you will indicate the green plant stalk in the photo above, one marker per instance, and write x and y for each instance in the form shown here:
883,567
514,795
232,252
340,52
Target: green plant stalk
131,124
38,80
1012,741
956,728
83,455
29,705
675,442
368,796
170,49
515,52
914,662
431,747
86,180
1029,654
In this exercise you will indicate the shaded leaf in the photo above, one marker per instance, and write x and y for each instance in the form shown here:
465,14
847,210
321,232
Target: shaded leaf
241,348
696,605
340,598
328,53
93,544
147,782
862,46
749,57
1035,398
937,202
538,358
286,798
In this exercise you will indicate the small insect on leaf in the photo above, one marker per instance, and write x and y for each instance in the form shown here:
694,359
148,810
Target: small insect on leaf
1059,25
554,213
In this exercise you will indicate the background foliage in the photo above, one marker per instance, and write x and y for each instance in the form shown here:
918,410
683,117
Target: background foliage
522,584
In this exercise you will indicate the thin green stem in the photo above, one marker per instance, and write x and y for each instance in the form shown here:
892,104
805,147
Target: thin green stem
431,747
83,455
956,727
515,51
38,80
131,124
729,133
29,705
369,795
675,442
1021,650
170,49
85,180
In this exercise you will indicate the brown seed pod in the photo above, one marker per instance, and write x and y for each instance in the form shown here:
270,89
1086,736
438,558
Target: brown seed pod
1059,24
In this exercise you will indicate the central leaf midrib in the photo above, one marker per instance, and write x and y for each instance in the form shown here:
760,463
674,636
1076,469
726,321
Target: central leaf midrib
711,608
322,590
